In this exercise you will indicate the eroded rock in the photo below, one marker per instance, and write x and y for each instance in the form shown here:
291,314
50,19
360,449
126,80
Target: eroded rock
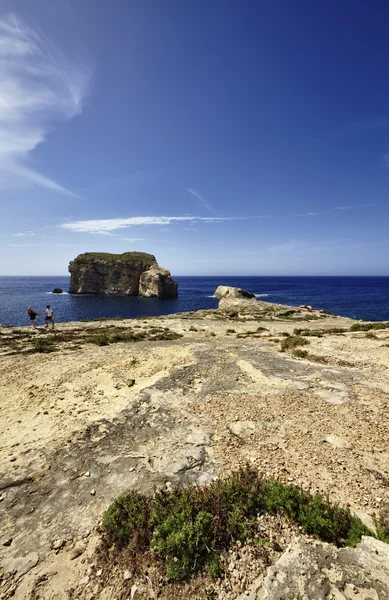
127,274
157,283
312,569
222,291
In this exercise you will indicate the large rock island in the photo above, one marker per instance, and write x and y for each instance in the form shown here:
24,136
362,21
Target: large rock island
127,274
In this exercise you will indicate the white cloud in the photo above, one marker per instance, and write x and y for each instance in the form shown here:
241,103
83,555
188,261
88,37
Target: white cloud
39,86
36,245
203,201
132,240
103,225
386,159
26,233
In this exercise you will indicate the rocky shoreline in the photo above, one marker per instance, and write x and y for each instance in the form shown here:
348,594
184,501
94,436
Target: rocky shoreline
166,401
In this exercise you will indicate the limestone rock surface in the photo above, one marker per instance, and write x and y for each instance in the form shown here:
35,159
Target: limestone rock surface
127,274
223,291
312,569
157,283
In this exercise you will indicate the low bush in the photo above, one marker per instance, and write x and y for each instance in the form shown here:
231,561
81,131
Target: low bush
190,528
308,332
44,345
369,326
371,336
293,341
300,353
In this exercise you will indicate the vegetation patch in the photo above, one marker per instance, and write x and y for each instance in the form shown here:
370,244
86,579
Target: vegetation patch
300,353
44,345
369,326
47,341
319,332
255,333
188,530
141,257
309,332
286,313
293,341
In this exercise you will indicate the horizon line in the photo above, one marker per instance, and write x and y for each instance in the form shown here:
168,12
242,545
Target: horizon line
215,275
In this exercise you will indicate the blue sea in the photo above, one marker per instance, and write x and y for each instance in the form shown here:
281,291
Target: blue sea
359,297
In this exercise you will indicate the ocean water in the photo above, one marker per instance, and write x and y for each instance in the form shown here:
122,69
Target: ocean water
359,297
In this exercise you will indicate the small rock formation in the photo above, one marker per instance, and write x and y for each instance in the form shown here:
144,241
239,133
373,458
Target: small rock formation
312,569
157,283
223,291
57,291
127,274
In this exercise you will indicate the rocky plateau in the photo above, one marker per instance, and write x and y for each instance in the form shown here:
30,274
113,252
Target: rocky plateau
85,422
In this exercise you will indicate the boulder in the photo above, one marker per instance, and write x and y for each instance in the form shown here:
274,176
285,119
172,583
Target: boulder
57,291
120,274
157,283
223,291
317,570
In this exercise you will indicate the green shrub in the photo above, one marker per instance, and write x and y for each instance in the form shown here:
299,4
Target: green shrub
43,345
190,528
371,336
369,326
300,353
101,339
126,518
293,341
308,332
286,313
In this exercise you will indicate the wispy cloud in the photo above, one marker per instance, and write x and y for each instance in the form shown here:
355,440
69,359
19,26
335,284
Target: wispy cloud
386,159
132,240
330,211
36,245
104,225
203,201
24,234
39,86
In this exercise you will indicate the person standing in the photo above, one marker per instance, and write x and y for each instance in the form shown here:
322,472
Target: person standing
32,314
49,316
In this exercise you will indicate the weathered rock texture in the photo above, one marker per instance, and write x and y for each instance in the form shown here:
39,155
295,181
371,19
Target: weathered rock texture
312,569
157,283
223,291
127,274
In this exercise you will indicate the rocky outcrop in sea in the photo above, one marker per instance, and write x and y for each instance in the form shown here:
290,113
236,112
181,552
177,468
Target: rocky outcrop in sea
128,274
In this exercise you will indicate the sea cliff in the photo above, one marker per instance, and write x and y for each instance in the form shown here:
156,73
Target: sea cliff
128,274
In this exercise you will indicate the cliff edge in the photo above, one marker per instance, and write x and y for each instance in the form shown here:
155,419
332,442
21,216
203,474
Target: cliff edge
127,274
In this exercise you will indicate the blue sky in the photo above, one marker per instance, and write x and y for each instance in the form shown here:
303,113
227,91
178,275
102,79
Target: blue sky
224,137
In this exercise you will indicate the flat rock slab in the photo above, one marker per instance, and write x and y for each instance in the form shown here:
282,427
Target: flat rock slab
316,570
20,565
338,442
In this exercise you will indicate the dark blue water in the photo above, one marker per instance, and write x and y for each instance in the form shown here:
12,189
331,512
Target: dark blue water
359,297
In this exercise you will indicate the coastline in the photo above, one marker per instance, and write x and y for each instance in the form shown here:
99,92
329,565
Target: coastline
153,410
363,298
